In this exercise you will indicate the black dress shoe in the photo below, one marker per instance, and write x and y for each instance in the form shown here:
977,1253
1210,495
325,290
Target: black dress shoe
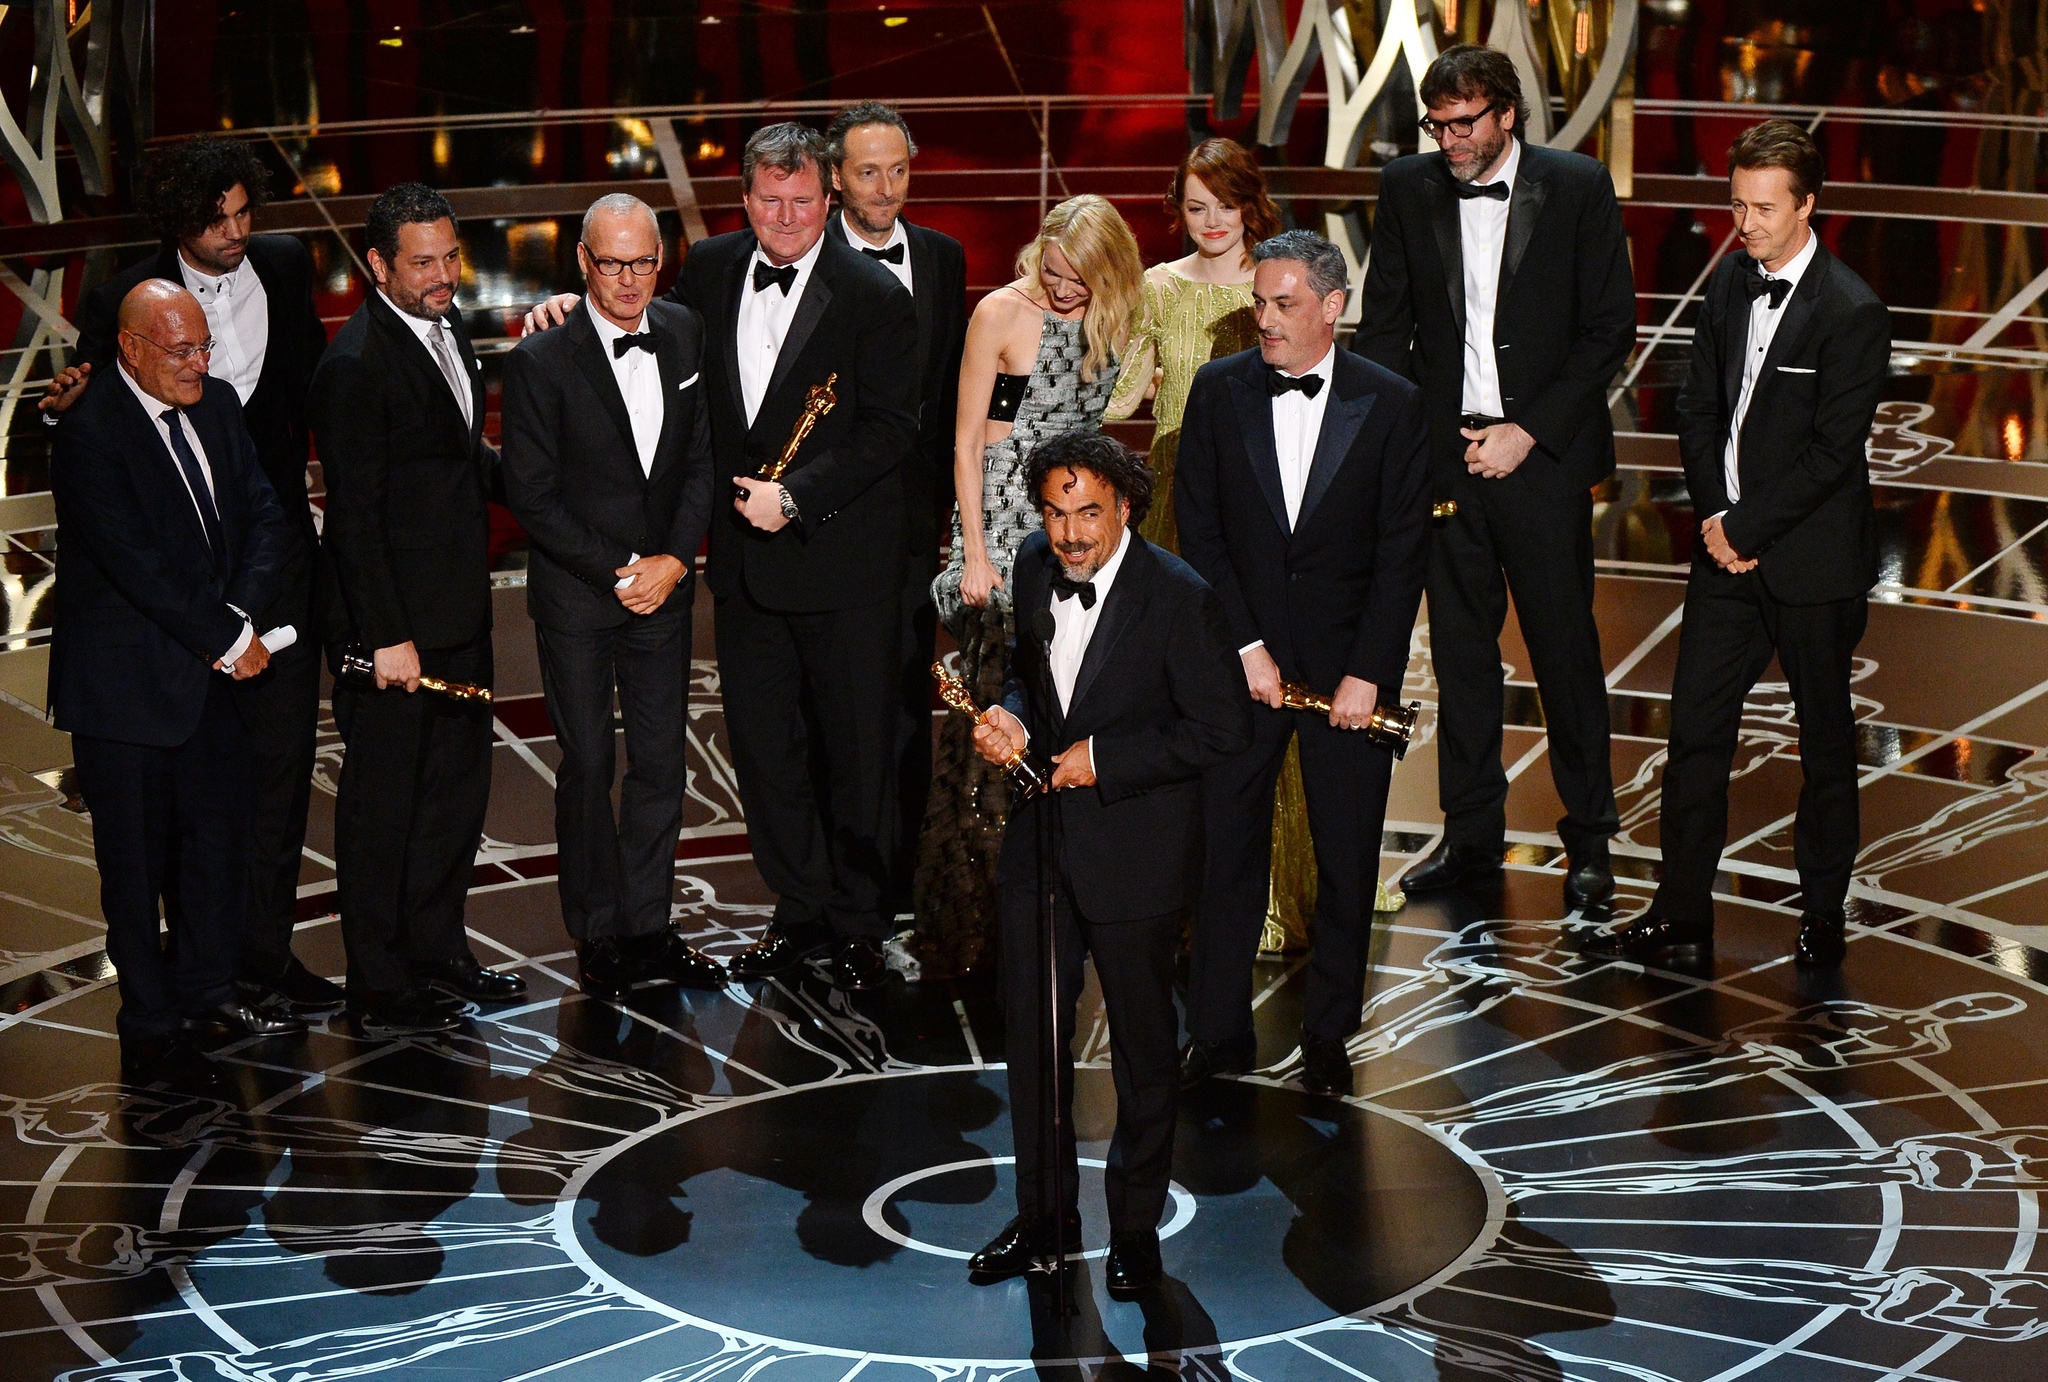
667,955
767,957
1651,938
170,1063
1589,881
857,965
403,1015
247,1019
298,988
1325,1067
1202,1060
1133,1264
603,971
463,977
1449,865
1821,942
1019,1247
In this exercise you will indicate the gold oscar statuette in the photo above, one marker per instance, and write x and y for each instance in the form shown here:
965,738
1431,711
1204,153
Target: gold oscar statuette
1028,776
1390,726
818,402
358,667
1444,508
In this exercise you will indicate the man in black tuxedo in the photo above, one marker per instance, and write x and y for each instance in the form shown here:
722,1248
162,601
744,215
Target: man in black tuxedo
257,293
1124,677
607,453
807,573
1500,282
1789,355
871,150
1302,496
169,539
398,414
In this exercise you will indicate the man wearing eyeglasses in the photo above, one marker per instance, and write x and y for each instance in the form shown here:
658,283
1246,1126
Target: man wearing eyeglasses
1500,282
607,451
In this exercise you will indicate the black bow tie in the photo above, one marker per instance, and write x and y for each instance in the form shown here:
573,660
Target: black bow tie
893,254
1065,588
1756,285
784,277
635,340
1278,384
1467,191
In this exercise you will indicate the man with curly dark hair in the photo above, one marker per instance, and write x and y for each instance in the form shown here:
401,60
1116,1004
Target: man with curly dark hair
1125,676
266,336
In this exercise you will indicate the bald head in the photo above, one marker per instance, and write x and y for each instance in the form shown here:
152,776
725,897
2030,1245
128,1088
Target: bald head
164,342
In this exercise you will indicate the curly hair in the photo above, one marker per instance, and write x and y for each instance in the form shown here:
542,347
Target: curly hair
180,188
1108,459
403,204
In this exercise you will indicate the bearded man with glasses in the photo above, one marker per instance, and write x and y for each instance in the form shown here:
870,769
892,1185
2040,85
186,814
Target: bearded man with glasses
1500,283
607,450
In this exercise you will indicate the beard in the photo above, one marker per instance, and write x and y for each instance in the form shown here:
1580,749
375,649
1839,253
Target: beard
416,306
871,222
1488,153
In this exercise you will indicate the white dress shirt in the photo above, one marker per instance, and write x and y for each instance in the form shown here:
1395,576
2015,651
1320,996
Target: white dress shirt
897,236
763,321
1297,426
1763,327
441,339
238,314
1072,627
156,408
1483,231
639,376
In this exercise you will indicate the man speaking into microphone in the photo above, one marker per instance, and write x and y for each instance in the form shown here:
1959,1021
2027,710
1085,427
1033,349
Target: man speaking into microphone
1129,681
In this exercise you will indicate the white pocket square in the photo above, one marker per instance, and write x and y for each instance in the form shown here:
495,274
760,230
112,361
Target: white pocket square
1794,369
687,382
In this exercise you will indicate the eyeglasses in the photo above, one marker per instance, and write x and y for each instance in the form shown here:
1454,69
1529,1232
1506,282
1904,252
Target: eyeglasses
612,268
183,355
1457,129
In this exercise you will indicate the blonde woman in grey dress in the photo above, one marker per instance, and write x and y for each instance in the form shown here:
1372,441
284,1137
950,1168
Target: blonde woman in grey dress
1041,358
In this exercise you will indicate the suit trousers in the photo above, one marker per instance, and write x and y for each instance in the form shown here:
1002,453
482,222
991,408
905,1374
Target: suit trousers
1732,626
618,874
1134,965
170,826
1346,778
281,709
813,710
415,784
1514,536
919,633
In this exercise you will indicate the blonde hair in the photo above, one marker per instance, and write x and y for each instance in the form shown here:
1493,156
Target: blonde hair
1104,253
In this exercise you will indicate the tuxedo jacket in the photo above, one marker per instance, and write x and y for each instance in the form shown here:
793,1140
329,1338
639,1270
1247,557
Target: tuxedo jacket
1564,314
1336,595
142,598
572,470
848,547
1805,509
938,278
407,483
1162,693
275,413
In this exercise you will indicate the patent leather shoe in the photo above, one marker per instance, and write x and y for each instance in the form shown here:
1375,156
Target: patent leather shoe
1203,1060
170,1063
1821,940
1325,1066
603,971
1589,880
1651,938
856,965
667,955
247,1019
298,988
1133,1265
463,977
767,957
403,1015
1450,865
1019,1247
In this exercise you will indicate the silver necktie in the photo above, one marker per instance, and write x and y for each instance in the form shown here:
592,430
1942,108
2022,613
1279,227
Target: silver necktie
442,341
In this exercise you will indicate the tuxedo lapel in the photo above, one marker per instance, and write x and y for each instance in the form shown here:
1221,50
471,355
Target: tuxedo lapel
817,297
465,356
1342,417
587,349
1255,425
1450,239
416,358
924,277
162,466
1525,208
668,353
1799,315
1120,606
1734,307
728,331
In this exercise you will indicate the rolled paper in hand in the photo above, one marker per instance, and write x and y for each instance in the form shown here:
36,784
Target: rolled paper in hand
279,638
1028,776
359,667
1390,726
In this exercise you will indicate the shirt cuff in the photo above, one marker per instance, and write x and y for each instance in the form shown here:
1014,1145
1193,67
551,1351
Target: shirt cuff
227,659
1255,643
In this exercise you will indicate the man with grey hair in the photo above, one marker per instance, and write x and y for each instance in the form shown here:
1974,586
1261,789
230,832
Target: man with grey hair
608,461
1302,496
806,570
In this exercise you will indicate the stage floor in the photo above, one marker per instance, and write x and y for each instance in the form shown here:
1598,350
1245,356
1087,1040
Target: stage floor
1555,1166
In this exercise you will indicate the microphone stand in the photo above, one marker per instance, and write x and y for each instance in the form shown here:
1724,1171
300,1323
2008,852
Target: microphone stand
1053,1120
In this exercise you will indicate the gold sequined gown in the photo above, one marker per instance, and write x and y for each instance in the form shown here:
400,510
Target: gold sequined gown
1185,325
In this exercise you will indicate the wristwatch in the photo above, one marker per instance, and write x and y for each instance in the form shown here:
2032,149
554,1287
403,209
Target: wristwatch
788,504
